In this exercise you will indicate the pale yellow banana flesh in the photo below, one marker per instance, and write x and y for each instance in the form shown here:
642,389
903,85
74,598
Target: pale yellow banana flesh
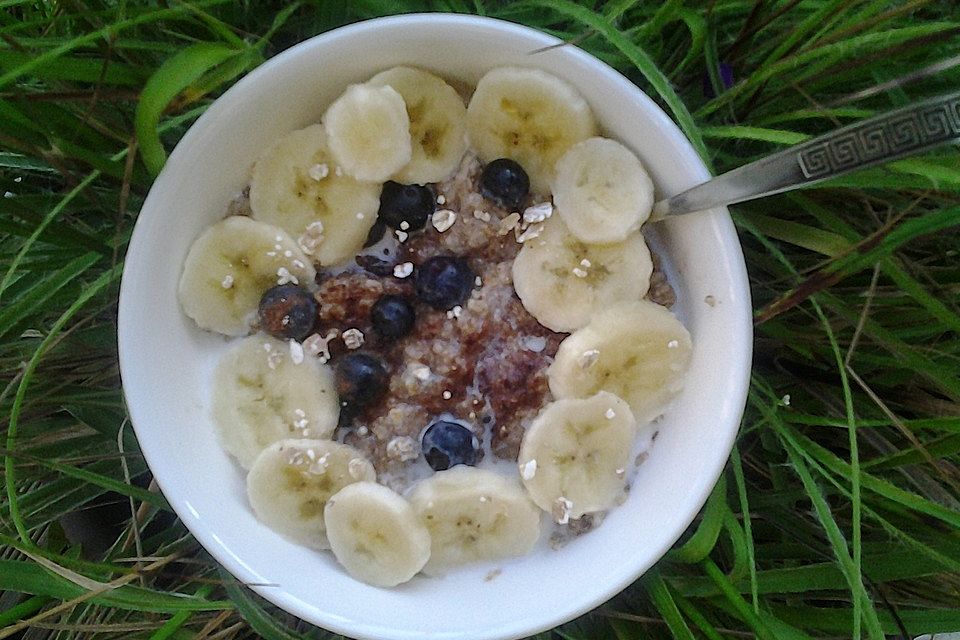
602,191
262,395
637,350
438,124
530,116
369,132
291,481
563,281
375,534
296,185
474,515
229,267
574,456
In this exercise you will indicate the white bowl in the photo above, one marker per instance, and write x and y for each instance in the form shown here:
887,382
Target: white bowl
166,361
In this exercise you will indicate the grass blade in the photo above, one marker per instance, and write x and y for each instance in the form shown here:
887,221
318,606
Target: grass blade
174,76
643,63
661,597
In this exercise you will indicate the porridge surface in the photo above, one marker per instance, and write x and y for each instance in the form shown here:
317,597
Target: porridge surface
483,363
439,323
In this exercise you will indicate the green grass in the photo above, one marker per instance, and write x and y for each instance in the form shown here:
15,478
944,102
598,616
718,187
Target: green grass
839,513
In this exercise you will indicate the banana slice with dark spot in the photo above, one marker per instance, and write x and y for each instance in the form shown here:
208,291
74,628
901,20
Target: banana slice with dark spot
228,268
529,116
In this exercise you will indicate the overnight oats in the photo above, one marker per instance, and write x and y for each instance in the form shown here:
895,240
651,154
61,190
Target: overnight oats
449,338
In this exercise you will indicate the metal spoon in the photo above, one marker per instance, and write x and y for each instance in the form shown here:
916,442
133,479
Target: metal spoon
890,136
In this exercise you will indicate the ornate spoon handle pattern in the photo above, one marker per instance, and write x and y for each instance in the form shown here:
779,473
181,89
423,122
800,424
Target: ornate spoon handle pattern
890,136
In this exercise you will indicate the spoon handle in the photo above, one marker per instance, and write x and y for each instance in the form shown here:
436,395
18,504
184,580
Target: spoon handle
889,136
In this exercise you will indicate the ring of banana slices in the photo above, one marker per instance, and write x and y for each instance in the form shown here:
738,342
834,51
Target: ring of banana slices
314,197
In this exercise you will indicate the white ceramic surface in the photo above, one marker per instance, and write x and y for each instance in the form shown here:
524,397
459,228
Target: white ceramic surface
166,361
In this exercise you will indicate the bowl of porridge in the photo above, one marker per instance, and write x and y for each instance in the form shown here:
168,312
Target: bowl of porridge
399,347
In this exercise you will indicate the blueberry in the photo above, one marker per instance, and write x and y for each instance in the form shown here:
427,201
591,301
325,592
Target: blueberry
444,281
505,182
446,444
392,316
361,380
288,311
410,203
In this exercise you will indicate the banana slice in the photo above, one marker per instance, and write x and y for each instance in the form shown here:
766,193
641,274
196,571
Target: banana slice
602,191
637,350
375,534
292,480
574,455
474,515
562,281
369,132
438,123
228,268
530,116
262,395
296,185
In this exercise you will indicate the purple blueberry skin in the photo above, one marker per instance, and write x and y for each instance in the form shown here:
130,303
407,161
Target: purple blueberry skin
410,203
444,281
505,182
392,316
361,380
288,312
446,444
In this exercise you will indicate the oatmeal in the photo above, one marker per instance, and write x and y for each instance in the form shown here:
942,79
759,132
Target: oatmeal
473,362
485,367
497,309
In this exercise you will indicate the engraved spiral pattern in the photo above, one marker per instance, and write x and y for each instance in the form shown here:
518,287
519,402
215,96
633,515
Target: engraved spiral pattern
874,143
844,152
900,133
